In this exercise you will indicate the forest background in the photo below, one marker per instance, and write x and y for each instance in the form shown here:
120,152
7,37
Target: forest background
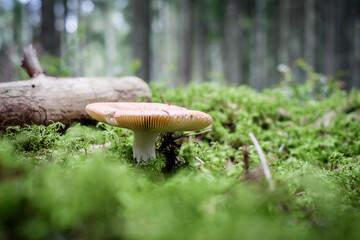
80,182
176,42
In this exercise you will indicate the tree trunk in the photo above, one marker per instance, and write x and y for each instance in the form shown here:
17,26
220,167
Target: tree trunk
165,69
284,50
356,58
44,99
258,58
110,41
202,40
186,41
80,38
330,38
310,31
50,37
7,67
17,22
296,38
232,42
140,35
345,25
63,33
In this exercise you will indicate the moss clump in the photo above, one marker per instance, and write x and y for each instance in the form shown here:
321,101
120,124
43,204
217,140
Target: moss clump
81,182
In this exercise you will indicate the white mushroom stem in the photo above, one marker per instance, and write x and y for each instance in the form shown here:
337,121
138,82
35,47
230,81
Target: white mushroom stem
144,145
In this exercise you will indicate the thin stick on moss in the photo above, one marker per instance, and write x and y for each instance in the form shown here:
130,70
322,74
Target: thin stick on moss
199,160
193,134
246,160
264,163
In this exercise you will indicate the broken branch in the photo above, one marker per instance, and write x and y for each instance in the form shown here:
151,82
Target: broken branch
31,63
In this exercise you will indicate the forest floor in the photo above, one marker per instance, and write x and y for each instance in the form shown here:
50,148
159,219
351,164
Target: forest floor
81,182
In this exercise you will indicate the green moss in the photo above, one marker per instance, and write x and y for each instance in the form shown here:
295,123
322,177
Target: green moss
82,183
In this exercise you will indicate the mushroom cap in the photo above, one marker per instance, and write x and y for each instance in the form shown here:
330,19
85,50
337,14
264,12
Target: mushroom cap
155,117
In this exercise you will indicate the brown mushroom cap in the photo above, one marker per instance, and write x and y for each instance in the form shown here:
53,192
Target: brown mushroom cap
154,117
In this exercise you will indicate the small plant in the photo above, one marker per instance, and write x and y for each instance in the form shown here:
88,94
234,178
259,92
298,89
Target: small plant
34,137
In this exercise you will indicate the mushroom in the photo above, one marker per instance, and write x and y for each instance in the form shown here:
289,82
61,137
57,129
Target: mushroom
147,120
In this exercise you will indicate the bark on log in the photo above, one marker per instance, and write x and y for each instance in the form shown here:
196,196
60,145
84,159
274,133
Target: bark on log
44,99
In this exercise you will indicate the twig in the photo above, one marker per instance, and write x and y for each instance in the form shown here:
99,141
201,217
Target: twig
246,160
193,134
199,160
31,63
281,147
263,161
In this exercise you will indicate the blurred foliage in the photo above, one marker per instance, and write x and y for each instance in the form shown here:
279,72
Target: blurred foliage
81,182
135,66
54,66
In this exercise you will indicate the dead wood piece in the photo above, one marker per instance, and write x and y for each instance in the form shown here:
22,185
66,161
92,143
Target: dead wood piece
44,99
31,63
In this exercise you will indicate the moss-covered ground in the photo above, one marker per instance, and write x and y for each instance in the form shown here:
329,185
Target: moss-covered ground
80,182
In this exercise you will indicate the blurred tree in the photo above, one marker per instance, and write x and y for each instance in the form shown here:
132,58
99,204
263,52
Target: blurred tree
63,33
310,33
186,45
22,31
17,30
296,45
202,37
344,42
7,67
356,48
241,41
109,38
233,41
285,10
258,58
50,37
140,35
329,60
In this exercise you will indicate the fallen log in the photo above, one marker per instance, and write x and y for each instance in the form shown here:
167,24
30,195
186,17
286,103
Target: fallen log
44,99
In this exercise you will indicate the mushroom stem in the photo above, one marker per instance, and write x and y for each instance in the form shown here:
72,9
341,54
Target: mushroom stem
144,145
